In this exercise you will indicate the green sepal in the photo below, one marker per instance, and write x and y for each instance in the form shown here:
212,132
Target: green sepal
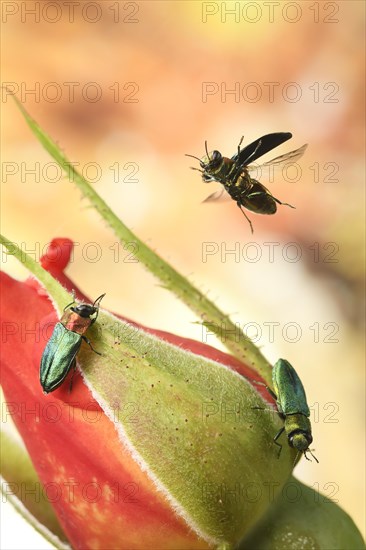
303,518
23,484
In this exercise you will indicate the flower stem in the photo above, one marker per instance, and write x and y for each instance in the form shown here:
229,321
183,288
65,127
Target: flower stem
230,334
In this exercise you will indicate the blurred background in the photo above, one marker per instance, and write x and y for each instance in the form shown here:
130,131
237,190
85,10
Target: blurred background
126,89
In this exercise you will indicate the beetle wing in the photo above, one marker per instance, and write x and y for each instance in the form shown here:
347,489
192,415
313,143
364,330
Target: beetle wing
259,171
219,196
58,357
260,147
288,387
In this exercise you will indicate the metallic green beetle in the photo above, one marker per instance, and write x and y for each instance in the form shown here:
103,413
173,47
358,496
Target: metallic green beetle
234,173
60,352
292,407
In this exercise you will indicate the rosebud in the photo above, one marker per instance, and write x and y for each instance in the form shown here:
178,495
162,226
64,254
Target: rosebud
160,447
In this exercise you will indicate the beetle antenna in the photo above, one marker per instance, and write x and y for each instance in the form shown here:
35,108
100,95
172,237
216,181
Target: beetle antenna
98,300
192,156
296,457
314,457
208,156
73,300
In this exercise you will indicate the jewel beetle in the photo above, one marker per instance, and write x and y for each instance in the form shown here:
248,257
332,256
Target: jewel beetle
59,355
292,407
234,173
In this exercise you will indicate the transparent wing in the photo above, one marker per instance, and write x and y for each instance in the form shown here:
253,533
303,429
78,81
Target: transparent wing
219,196
268,169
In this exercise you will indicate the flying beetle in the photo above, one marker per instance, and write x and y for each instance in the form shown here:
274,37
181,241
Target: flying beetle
234,173
292,407
59,355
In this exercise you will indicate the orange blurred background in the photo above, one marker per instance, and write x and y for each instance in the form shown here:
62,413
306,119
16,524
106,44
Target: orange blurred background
126,89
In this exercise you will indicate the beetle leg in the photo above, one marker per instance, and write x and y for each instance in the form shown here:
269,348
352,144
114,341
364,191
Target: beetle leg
250,223
283,203
240,142
89,343
272,393
255,150
263,409
279,444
